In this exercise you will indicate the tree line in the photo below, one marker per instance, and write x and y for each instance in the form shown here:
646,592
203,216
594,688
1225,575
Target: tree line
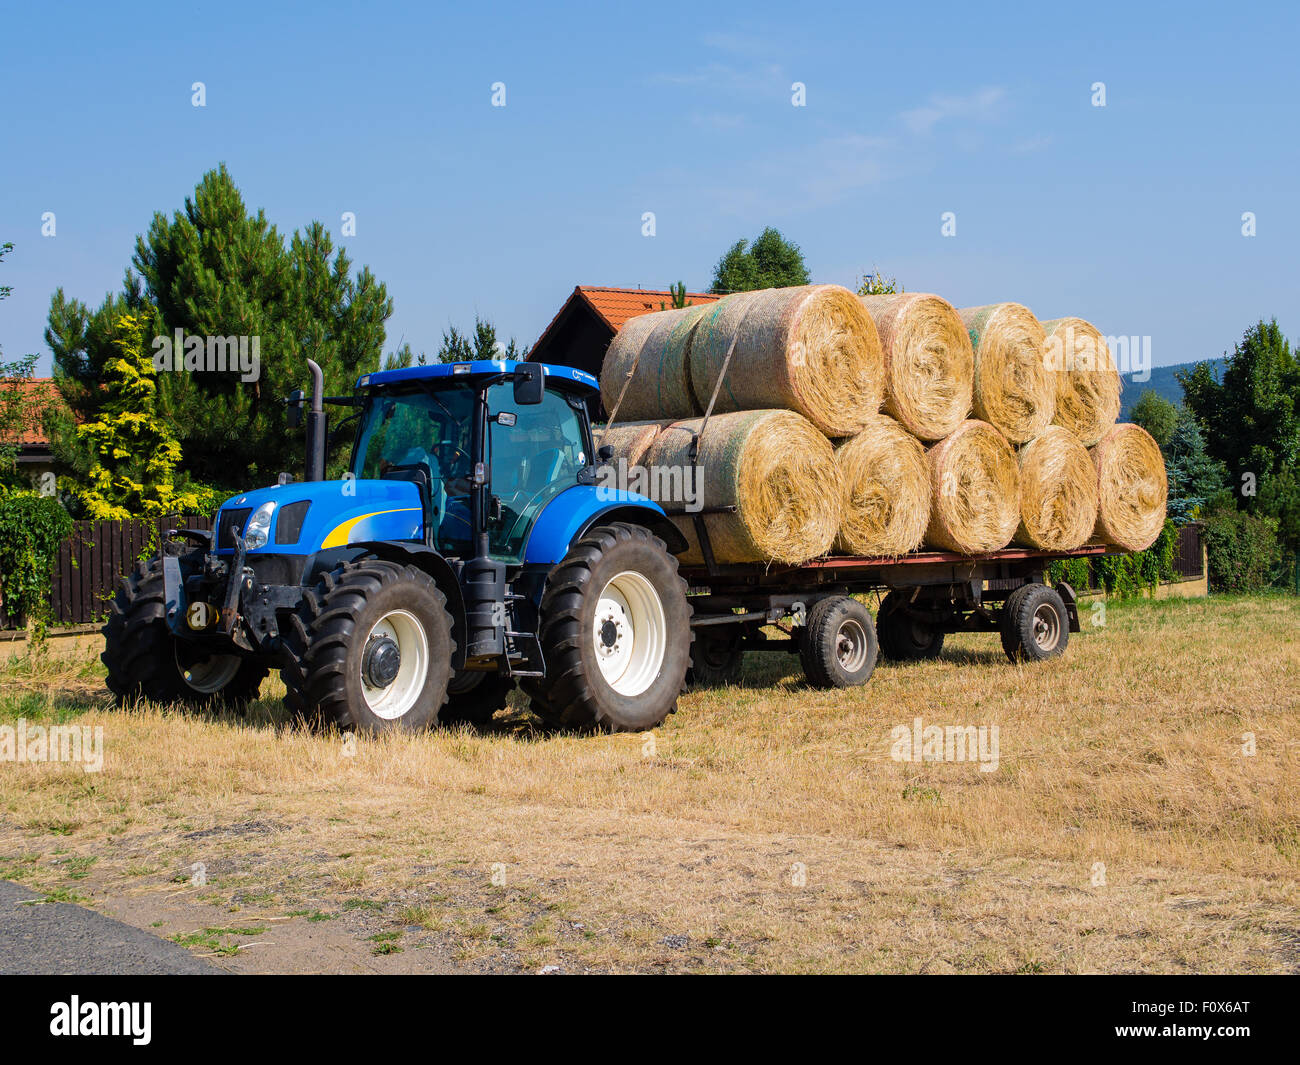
131,439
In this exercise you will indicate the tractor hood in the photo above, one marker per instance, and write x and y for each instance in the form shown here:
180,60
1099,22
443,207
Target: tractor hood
312,515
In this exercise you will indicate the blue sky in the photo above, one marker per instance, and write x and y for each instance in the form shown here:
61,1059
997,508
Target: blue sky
1128,215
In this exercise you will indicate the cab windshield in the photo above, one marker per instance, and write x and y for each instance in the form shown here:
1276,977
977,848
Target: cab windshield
404,433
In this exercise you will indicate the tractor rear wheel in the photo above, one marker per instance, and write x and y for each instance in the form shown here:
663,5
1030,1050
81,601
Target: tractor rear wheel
370,649
145,660
615,633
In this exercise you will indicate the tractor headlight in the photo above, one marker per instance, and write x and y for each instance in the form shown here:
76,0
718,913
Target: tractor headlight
257,531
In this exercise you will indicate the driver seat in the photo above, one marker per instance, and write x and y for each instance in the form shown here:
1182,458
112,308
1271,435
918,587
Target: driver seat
544,468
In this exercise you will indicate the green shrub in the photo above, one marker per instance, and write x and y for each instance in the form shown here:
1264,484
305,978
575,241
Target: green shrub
1243,549
31,529
1122,576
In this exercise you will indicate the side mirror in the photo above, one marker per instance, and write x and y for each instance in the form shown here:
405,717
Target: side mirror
605,452
530,386
293,412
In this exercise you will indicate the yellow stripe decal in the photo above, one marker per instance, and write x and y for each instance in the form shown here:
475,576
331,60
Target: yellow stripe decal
339,535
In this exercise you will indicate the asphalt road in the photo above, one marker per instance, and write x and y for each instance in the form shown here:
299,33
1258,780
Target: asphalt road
58,938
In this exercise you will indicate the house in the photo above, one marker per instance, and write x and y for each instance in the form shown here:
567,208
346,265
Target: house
579,334
35,457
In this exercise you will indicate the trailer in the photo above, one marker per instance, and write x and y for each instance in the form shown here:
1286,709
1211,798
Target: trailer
926,596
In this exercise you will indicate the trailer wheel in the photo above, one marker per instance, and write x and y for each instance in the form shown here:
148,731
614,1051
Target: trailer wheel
717,657
839,648
370,649
144,660
1035,624
615,633
904,638
474,697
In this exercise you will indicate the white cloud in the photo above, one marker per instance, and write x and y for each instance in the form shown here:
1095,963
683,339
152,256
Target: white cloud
981,106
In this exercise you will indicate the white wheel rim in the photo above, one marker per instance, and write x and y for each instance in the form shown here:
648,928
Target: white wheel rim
396,699
630,633
211,674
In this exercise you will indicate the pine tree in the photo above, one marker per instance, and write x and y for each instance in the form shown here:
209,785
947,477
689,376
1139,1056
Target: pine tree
214,270
1195,479
134,455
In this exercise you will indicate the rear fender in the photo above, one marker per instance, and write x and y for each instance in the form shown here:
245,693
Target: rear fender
577,510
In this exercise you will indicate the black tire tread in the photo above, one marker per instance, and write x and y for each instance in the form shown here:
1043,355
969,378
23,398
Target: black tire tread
894,637
564,699
824,620
1017,615
316,640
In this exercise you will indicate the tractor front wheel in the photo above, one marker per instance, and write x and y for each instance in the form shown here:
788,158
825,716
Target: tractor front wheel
615,633
370,649
146,661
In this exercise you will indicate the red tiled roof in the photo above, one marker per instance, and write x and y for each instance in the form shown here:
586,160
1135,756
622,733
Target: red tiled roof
40,393
616,306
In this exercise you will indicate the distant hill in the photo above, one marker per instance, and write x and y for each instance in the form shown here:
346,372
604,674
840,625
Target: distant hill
1162,381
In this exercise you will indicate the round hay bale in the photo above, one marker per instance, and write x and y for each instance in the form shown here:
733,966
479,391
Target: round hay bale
1013,390
811,349
658,345
1132,488
1088,384
886,491
929,362
630,440
774,467
1058,492
974,491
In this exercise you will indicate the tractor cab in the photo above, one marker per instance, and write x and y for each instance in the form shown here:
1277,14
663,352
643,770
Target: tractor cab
488,443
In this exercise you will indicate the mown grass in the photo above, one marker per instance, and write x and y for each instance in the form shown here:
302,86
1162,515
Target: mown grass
768,828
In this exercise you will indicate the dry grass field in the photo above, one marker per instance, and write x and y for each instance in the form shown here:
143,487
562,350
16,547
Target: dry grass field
764,827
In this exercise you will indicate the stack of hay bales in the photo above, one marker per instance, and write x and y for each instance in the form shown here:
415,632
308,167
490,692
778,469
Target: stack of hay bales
994,428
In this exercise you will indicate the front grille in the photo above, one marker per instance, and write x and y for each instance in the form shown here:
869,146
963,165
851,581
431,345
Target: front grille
288,526
230,525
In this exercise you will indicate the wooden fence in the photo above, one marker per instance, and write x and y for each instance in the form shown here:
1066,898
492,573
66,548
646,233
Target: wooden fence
95,557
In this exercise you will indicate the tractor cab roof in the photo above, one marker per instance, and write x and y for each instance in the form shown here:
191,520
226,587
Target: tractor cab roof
563,377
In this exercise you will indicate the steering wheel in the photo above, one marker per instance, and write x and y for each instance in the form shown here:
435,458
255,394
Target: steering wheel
447,453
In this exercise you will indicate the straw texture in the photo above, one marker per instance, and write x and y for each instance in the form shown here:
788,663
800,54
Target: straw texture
775,468
886,491
630,440
1013,390
812,349
658,346
1058,492
929,362
975,491
1088,384
1132,488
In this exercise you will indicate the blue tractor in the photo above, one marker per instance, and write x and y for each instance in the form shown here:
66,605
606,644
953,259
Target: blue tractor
469,548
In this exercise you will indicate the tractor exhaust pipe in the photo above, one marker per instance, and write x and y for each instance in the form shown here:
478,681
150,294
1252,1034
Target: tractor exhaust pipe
316,435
